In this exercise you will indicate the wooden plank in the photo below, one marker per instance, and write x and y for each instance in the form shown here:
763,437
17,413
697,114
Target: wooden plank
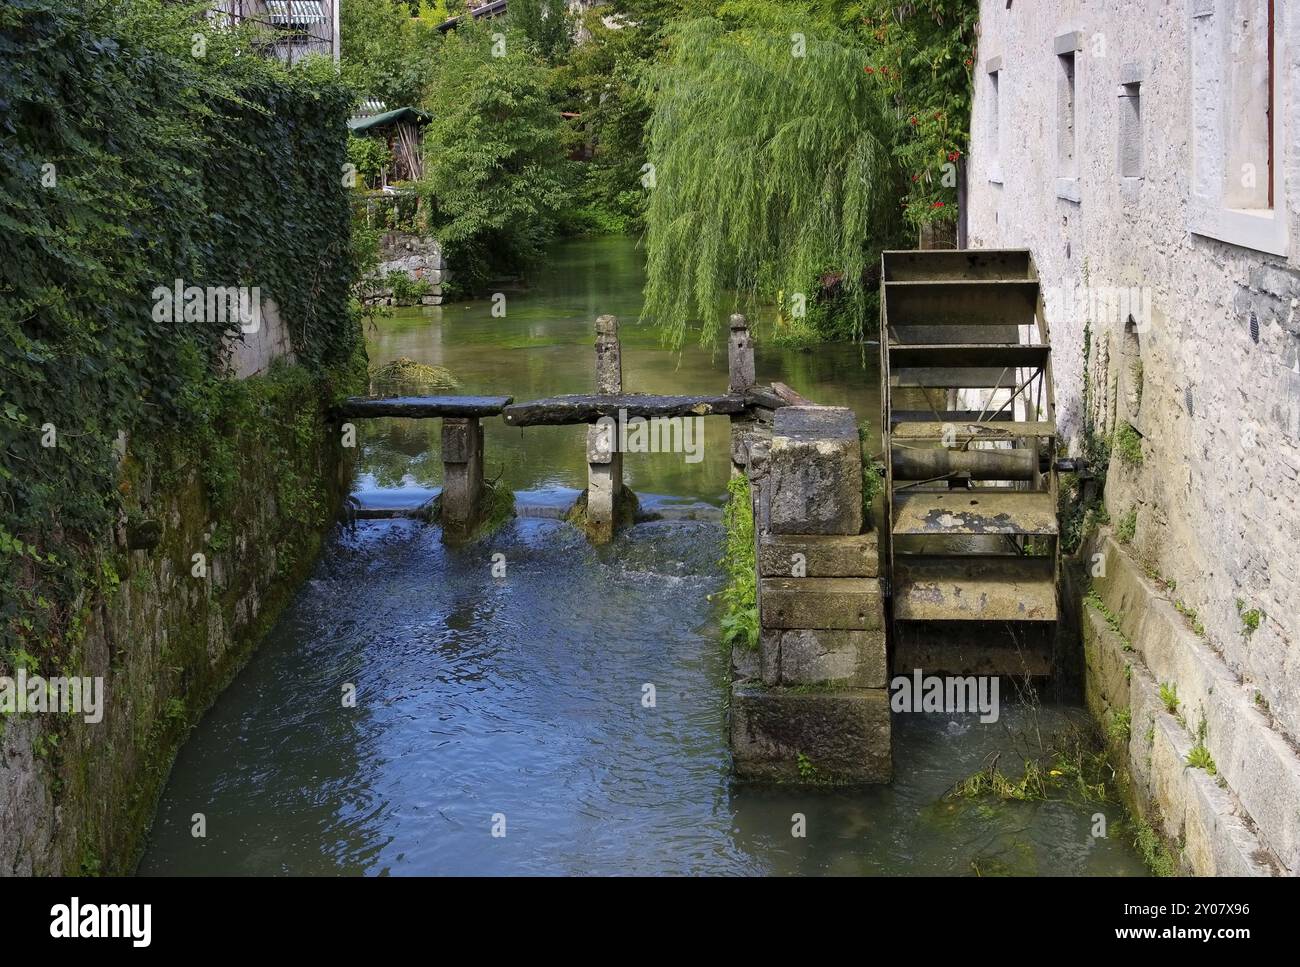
962,303
971,416
973,648
947,377
967,355
974,588
988,511
964,431
423,407
566,410
929,264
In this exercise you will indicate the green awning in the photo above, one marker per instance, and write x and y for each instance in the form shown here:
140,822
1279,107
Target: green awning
415,115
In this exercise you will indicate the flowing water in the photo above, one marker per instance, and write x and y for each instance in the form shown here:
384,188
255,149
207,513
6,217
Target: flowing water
513,703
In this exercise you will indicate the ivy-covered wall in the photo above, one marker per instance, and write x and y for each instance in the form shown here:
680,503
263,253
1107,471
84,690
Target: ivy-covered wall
140,146
128,162
168,627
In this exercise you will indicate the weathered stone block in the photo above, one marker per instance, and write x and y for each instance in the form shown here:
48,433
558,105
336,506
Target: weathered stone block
816,469
459,437
814,737
822,555
601,442
852,603
462,466
808,656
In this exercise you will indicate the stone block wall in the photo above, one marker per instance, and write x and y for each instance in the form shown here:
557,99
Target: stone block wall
1160,691
1208,373
811,705
419,258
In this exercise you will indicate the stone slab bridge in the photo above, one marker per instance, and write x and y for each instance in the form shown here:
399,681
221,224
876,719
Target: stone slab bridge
808,699
606,505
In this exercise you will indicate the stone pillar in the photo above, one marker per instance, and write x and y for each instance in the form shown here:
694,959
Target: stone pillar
462,473
816,707
740,356
604,460
740,379
609,357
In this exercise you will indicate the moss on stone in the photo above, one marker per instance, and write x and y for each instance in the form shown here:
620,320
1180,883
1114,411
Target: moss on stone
166,642
496,509
1128,445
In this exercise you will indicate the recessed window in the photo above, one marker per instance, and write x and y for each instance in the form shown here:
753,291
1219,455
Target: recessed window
1130,130
993,133
1237,122
1067,166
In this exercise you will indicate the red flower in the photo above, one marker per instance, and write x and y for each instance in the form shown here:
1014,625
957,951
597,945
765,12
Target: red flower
916,177
969,62
911,121
870,70
937,204
954,155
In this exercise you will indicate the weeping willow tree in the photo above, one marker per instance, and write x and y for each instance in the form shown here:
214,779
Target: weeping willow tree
772,178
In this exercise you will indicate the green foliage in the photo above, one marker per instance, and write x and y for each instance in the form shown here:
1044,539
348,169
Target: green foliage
404,376
600,81
1169,697
406,290
1112,619
127,164
1128,444
924,60
496,175
1199,758
387,53
1193,619
1251,618
371,156
873,482
1157,856
1126,529
1121,725
772,173
1071,762
547,25
740,596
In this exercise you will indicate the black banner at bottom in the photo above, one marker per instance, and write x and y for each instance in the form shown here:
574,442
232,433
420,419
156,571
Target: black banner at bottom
303,916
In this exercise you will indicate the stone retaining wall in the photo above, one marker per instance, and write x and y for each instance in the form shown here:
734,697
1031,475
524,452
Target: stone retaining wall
1242,819
78,797
419,258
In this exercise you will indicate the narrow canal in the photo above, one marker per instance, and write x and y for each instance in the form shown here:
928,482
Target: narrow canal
483,699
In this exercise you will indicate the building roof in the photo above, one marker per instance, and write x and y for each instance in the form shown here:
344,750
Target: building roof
414,115
486,10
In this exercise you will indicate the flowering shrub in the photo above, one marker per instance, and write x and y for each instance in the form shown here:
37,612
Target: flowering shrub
925,59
